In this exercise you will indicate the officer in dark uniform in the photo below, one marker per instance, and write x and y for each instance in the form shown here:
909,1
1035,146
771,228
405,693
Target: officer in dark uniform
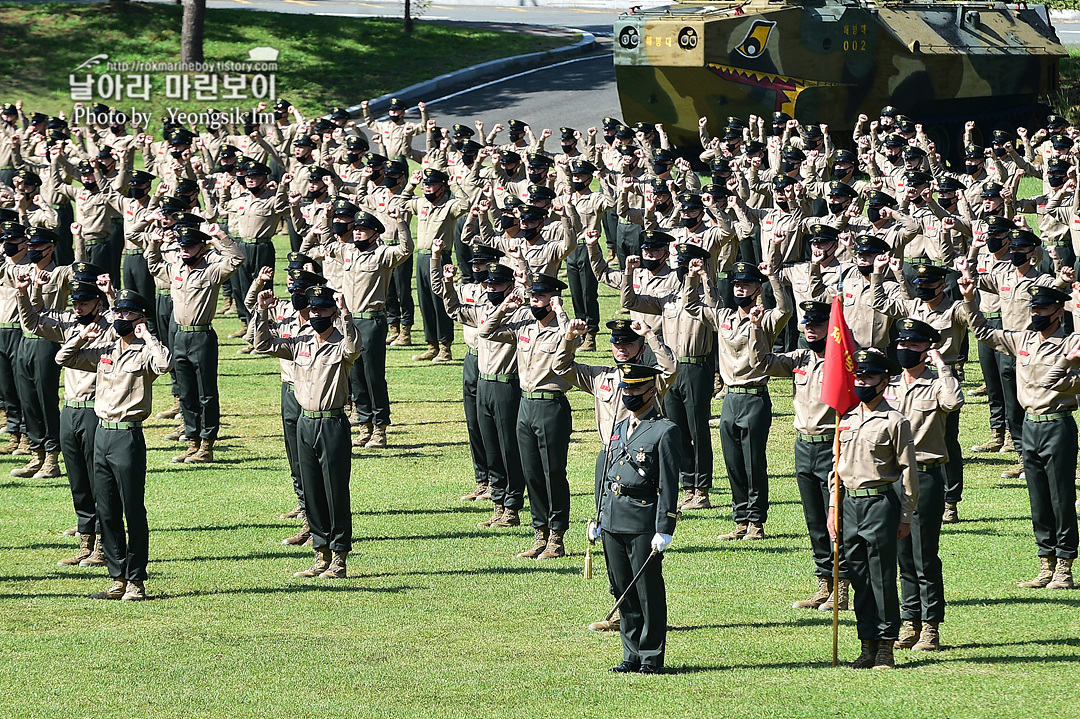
637,493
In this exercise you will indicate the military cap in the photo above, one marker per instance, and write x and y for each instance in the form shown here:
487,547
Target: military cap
628,150
85,168
55,136
297,260
545,283
974,152
913,151
532,213
747,272
11,228
191,236
320,296
870,245
140,177
1057,166
1061,141
358,144
516,125
86,272
342,206
567,133
86,292
914,178
460,130
611,123
281,104
621,332
28,177
498,273
812,131
845,156
928,274
687,251
659,186
1045,295
322,125
257,168
471,147
582,167
304,141
996,224
822,232
8,215
56,123
992,189
132,301
779,182
538,159
374,159
186,186
100,108
690,201
778,117
41,236
339,113
397,104
732,133
912,330
370,221
949,184
541,192
302,279
1055,121
9,109
889,111
396,167
180,136
793,154
655,240
631,375
660,154
719,165
837,187
754,146
187,219
1023,238
874,362
624,133
170,204
814,312
433,176
509,157
318,173
105,153
715,189
644,128
877,197
228,151
1001,136
512,202
894,140
484,254
736,122
905,124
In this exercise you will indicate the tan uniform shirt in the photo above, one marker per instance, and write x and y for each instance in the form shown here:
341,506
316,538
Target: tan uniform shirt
61,326
257,218
812,416
1012,289
926,401
434,220
93,210
124,375
320,369
869,328
687,334
195,289
949,316
877,449
468,305
367,273
535,345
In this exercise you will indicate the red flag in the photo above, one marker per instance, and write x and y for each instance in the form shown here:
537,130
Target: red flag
838,381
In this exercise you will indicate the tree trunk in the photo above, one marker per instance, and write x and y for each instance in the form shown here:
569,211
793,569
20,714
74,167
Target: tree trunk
191,33
408,17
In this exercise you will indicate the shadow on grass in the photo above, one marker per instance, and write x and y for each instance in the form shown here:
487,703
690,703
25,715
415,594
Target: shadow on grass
1048,596
465,509
339,585
944,658
42,545
738,547
806,621
703,668
531,568
280,526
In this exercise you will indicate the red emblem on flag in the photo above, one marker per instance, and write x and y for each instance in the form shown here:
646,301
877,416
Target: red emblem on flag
838,379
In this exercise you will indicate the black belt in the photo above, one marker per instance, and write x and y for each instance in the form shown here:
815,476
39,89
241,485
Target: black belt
623,490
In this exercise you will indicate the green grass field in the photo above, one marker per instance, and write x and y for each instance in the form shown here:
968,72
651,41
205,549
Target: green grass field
439,619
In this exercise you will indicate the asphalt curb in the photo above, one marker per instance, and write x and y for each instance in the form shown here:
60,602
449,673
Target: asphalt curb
428,88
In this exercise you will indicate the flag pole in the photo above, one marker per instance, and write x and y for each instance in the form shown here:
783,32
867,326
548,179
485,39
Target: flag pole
837,498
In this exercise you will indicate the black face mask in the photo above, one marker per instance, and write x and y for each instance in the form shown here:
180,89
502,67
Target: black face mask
865,270
537,177
397,119
376,177
340,228
91,186
391,181
431,197
515,136
529,233
278,115
720,180
866,395
836,207
507,221
86,319
192,261
1000,152
873,213
745,301
458,144
1055,180
362,244
1039,323
299,302
681,271
777,130
579,186
177,154
651,265
567,148
539,312
634,402
786,166
352,157
248,129
321,324
663,207
123,327
841,174
609,139
496,298
659,168
994,243
312,196
971,169
948,202
136,193
817,345
35,256
1018,258
11,248
782,204
925,293
479,276
908,358
689,222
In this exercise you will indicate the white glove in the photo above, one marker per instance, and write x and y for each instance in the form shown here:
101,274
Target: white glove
660,542
593,530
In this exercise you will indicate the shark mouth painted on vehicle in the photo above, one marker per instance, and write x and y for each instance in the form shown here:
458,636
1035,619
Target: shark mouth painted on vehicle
787,89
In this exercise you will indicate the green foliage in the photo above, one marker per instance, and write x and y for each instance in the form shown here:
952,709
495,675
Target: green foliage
1066,100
